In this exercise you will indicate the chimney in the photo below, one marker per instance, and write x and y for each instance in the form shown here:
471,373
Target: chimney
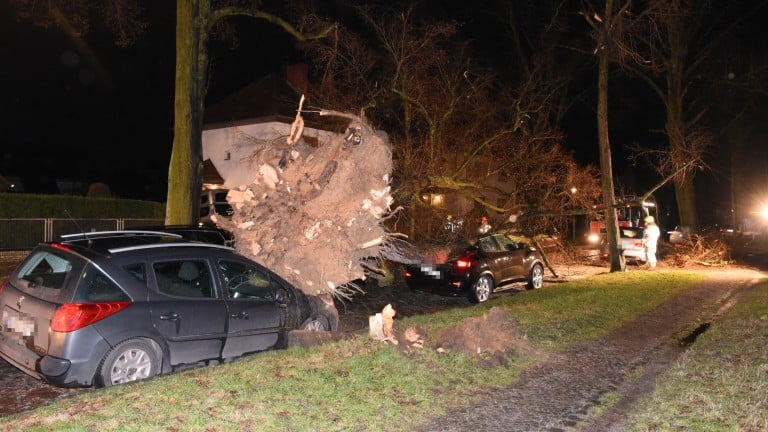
297,76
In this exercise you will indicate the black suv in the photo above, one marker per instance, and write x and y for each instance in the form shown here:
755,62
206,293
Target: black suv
476,270
104,308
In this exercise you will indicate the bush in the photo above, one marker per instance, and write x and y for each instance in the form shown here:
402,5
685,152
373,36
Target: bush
15,205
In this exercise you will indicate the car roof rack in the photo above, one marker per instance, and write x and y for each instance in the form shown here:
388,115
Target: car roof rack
100,234
167,245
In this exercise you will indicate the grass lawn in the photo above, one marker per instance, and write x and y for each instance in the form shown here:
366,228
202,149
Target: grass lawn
359,384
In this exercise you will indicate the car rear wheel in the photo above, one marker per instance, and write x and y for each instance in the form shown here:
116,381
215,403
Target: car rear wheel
132,360
536,277
481,290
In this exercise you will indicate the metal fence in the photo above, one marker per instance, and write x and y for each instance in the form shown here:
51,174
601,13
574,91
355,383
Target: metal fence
25,233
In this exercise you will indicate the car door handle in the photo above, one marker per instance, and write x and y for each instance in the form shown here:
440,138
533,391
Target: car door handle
172,316
241,315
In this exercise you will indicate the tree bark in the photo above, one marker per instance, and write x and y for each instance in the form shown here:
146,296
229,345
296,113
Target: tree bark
685,192
606,167
185,170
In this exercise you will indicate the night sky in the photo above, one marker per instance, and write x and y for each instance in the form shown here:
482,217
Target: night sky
109,118
64,119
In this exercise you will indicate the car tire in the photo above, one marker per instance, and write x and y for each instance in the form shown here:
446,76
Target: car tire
318,323
481,290
536,277
132,360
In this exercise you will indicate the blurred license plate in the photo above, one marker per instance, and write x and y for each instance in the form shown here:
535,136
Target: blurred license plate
18,324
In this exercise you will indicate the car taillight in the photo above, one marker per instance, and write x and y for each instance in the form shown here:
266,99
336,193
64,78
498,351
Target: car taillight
73,316
463,263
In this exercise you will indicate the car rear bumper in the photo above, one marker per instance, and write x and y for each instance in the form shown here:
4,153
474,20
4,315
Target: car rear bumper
77,371
634,254
52,370
437,282
20,360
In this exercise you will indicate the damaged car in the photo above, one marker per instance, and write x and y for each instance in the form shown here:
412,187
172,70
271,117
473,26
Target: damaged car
106,308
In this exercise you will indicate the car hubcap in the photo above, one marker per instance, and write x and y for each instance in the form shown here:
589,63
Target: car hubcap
132,365
483,289
315,325
537,277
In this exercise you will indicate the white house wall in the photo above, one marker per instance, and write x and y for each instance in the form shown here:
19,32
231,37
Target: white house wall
237,152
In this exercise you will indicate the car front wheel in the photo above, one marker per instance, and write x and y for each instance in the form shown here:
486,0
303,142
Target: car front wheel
536,277
132,360
319,323
481,290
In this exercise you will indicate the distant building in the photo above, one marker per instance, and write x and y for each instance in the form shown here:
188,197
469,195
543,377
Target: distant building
237,131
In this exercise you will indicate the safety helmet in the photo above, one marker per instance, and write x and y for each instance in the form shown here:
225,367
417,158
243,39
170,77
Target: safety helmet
649,219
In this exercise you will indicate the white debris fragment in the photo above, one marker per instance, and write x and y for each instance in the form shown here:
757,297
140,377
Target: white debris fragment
371,243
255,248
268,175
239,196
377,194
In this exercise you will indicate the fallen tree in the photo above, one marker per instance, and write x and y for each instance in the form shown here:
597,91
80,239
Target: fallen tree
314,215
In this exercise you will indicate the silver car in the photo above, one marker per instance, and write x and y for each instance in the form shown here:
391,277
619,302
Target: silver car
104,308
632,244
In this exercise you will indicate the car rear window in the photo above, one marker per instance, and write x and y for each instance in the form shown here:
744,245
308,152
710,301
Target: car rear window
47,274
632,232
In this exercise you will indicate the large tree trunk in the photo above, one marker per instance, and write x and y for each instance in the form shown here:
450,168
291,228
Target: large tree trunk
185,170
737,134
685,193
606,166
